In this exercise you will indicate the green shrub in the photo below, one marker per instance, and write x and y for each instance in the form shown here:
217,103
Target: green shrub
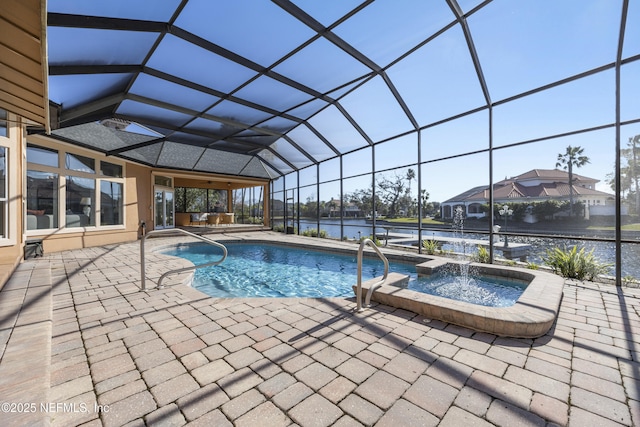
378,242
431,246
482,255
312,232
279,228
575,264
532,266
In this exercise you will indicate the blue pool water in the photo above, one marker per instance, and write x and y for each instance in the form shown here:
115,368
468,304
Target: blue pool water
263,270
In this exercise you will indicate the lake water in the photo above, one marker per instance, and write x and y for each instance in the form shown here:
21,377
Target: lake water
603,251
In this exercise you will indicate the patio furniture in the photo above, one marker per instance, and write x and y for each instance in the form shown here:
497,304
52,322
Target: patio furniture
199,218
227,218
213,219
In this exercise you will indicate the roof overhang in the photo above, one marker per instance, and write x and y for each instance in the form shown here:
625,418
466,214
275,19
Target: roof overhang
23,60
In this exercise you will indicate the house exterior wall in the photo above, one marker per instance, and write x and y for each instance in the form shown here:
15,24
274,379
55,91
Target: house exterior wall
471,210
137,198
136,204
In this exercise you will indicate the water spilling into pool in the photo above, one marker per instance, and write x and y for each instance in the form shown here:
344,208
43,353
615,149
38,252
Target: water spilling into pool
266,270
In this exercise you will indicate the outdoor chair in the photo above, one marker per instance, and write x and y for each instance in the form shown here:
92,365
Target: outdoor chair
213,219
199,218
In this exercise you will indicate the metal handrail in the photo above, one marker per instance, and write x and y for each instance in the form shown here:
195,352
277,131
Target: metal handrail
179,270
375,285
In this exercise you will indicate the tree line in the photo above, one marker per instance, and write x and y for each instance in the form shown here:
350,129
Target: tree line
392,196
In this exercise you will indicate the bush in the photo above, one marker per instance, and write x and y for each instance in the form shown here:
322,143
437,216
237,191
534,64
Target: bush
430,246
377,242
574,263
312,232
482,255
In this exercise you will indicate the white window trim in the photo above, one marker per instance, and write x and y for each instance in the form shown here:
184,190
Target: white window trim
8,236
12,144
62,173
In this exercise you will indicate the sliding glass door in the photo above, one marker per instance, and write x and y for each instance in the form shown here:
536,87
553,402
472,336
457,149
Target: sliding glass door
164,208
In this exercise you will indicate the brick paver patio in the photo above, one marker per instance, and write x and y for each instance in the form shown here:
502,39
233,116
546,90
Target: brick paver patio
81,344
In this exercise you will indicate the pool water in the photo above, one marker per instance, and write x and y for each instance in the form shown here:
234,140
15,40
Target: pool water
264,270
487,291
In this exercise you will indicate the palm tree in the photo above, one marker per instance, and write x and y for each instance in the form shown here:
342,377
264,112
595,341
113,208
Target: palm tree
411,175
572,157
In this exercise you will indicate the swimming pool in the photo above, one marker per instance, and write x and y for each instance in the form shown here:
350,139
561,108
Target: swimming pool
269,270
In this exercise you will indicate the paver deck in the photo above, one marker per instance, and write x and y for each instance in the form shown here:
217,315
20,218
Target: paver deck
81,344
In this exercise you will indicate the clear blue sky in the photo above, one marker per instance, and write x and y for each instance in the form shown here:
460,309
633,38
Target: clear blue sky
521,46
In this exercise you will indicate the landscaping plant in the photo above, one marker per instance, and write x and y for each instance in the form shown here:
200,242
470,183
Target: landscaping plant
575,264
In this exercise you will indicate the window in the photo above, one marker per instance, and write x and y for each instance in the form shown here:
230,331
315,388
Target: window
80,206
75,195
3,123
42,156
78,163
111,203
163,181
110,169
3,192
42,200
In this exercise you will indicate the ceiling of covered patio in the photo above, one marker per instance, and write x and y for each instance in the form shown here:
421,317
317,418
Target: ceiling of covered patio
263,88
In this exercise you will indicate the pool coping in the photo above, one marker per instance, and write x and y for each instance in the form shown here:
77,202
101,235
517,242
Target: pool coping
531,316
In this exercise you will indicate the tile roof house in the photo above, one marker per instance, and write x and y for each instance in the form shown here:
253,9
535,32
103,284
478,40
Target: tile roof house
332,209
536,185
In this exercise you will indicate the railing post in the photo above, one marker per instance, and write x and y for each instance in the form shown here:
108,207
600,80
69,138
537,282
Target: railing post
143,280
142,263
359,283
359,308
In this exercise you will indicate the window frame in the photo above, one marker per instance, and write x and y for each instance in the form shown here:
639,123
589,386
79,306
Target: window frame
63,172
5,233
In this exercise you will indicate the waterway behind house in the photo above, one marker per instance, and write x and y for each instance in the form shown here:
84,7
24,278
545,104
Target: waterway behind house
603,251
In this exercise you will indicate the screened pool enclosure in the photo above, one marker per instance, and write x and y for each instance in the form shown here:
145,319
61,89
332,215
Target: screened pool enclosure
363,115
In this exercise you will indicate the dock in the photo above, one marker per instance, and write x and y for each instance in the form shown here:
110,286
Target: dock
518,251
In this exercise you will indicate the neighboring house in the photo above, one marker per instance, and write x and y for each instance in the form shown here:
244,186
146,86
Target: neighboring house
332,209
537,185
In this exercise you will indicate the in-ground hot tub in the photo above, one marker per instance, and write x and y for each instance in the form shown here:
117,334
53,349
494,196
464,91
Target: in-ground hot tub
531,316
